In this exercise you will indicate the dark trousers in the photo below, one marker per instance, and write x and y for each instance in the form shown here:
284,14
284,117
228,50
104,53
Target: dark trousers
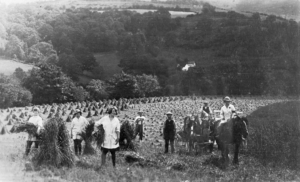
171,141
139,131
113,155
28,146
77,146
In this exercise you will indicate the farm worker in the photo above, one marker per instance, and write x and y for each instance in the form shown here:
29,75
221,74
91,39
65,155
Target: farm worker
169,132
111,126
38,122
139,124
205,110
77,125
226,112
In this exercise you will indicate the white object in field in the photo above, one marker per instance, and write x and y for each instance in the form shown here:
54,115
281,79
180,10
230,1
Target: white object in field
187,66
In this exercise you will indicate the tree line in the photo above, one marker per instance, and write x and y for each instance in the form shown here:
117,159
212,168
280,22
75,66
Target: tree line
256,56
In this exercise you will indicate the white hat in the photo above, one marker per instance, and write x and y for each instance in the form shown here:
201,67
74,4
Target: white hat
77,111
169,113
227,99
36,109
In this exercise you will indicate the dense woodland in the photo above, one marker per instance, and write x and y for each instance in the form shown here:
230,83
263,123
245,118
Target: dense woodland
253,55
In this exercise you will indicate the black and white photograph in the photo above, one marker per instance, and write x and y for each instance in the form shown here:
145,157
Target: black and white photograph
149,90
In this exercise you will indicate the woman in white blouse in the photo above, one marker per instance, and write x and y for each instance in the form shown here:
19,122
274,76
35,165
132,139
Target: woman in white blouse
226,113
111,126
38,122
77,125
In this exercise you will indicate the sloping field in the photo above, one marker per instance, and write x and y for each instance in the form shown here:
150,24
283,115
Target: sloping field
202,167
7,67
275,134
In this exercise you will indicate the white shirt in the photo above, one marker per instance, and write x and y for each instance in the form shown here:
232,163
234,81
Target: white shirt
77,126
226,112
38,122
111,127
139,120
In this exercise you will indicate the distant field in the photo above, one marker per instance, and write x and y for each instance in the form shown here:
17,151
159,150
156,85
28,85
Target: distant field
109,62
7,67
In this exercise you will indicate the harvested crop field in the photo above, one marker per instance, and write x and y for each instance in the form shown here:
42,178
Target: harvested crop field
154,164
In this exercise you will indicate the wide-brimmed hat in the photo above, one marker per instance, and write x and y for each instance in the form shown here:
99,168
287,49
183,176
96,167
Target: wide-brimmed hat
140,111
227,99
205,102
78,111
169,113
36,109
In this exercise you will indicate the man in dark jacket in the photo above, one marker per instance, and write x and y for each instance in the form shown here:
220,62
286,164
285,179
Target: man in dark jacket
169,132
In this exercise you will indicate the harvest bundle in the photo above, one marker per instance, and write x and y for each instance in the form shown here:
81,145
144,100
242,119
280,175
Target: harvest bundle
30,128
55,147
99,135
127,133
87,137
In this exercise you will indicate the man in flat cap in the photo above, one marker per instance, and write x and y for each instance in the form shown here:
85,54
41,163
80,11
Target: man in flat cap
169,132
139,124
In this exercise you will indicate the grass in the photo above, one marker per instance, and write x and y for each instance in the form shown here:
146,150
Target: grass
156,165
275,134
9,66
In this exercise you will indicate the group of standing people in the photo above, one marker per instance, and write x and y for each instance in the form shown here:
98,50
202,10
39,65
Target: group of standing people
111,126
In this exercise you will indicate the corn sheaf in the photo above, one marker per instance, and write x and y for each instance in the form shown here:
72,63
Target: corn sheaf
30,128
55,147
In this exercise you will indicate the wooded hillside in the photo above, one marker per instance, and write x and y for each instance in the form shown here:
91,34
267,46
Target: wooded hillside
234,53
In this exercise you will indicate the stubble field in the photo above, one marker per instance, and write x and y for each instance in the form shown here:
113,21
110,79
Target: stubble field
181,166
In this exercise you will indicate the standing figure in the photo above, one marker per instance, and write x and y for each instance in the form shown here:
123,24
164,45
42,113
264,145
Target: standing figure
169,132
226,112
111,126
139,125
205,111
38,122
77,125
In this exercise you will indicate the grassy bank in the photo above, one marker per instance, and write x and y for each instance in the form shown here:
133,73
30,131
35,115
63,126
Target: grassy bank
275,134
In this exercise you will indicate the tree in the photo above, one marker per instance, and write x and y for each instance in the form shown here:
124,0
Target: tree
79,93
97,89
208,8
148,85
3,37
42,52
122,86
46,32
49,84
85,57
13,94
70,65
20,74
14,46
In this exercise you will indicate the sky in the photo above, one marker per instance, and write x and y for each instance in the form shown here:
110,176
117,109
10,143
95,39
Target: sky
18,1
25,1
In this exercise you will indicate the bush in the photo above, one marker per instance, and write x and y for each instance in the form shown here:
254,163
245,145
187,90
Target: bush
96,88
274,134
12,94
